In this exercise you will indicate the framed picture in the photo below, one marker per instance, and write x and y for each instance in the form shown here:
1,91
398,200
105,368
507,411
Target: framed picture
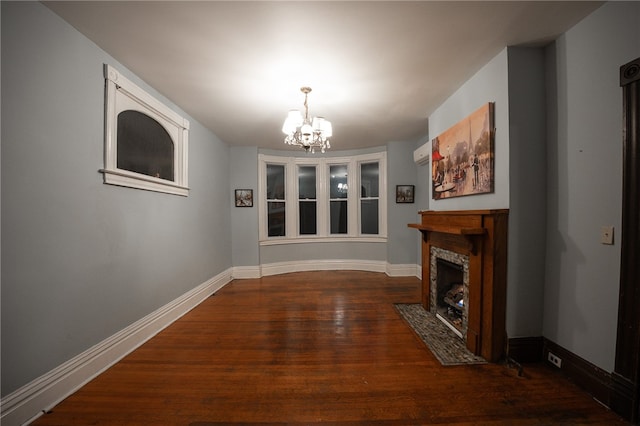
404,193
244,197
462,156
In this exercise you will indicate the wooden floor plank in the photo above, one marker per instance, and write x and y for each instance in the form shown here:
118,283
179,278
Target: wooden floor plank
315,347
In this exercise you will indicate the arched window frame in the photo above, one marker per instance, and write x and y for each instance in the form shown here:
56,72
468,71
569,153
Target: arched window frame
121,95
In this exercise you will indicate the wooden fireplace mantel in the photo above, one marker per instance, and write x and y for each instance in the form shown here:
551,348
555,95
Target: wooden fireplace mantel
482,236
467,233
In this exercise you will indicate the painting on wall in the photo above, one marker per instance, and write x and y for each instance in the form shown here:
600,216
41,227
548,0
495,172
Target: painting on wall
462,156
405,193
244,197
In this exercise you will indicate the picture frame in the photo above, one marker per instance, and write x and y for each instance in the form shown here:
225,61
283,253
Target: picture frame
244,197
405,193
462,156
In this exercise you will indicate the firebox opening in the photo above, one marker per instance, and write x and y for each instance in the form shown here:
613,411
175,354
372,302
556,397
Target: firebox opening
450,294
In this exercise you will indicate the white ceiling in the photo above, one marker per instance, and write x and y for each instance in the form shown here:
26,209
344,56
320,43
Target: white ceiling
377,69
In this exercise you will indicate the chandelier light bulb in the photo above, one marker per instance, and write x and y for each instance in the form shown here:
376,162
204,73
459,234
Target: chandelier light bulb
327,130
318,124
306,130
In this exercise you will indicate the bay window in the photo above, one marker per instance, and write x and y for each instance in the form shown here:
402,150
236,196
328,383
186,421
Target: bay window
329,198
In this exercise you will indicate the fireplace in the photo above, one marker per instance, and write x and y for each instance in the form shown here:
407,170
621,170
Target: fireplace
464,274
449,290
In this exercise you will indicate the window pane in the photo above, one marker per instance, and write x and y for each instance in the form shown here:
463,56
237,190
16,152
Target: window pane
369,216
307,182
276,219
369,177
338,211
338,181
307,217
144,146
275,182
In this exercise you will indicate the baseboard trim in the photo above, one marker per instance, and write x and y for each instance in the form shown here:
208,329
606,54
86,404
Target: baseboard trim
623,397
401,270
323,265
525,349
592,379
35,398
245,272
277,268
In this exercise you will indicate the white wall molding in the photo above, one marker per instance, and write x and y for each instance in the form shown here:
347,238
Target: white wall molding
335,265
322,265
400,270
35,398
245,272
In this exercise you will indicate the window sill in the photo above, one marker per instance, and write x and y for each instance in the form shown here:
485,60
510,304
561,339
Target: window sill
139,181
333,239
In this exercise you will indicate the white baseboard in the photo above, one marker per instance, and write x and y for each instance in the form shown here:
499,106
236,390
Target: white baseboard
35,398
244,272
399,270
277,268
322,265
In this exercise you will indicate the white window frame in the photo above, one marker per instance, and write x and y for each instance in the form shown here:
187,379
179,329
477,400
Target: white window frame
317,201
382,193
322,164
262,204
120,95
352,212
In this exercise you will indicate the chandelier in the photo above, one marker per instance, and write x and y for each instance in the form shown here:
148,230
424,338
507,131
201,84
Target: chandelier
304,132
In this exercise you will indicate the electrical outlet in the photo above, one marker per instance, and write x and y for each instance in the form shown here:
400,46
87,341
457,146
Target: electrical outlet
606,235
554,359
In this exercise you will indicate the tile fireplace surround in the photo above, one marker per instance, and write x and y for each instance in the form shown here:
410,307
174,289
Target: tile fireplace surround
482,236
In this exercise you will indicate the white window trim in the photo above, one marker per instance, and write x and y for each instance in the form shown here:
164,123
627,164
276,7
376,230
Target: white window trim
262,195
382,191
322,199
121,91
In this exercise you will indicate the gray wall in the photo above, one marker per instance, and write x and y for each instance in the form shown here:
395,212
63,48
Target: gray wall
423,181
423,197
527,191
519,123
244,220
490,84
82,260
401,247
323,251
584,180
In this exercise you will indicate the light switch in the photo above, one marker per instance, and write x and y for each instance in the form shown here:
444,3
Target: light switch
606,235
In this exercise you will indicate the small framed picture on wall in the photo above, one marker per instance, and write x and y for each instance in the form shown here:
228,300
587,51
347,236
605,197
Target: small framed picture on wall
244,197
404,193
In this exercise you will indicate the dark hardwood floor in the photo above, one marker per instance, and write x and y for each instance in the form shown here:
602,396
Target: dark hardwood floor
315,347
